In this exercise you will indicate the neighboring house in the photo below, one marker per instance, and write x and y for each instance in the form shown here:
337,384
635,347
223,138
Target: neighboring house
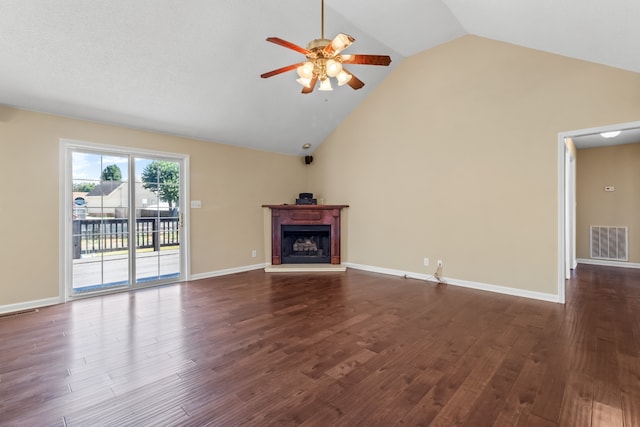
109,199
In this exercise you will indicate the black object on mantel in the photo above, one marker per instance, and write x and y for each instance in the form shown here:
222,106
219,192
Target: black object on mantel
306,199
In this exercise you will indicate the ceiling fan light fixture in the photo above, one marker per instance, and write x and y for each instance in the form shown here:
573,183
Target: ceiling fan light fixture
306,82
343,77
341,42
305,70
325,84
333,68
612,134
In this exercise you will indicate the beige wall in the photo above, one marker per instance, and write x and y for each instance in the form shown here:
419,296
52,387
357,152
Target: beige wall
232,183
604,166
454,157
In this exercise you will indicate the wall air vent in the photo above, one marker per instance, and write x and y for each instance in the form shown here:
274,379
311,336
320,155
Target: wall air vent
609,243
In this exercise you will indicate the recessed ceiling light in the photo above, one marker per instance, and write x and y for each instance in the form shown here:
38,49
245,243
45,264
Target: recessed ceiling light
306,146
610,134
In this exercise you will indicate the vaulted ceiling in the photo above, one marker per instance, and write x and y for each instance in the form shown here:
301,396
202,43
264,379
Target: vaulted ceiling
192,67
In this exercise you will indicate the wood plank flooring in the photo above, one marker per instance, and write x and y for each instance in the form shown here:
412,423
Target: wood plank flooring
328,349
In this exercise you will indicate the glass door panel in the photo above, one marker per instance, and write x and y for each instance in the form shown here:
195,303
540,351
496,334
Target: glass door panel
157,211
100,224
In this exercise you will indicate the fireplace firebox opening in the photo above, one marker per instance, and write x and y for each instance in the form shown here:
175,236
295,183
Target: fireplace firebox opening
306,244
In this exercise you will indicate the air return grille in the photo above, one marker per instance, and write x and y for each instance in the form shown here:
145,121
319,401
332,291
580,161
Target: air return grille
609,243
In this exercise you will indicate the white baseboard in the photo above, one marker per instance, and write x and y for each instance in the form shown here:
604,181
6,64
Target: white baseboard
29,305
607,263
541,296
227,271
462,283
390,272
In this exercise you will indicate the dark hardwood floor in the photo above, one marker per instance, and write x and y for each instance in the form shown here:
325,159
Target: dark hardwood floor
328,349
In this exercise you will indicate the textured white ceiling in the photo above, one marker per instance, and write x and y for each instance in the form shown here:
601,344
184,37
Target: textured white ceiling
604,32
192,67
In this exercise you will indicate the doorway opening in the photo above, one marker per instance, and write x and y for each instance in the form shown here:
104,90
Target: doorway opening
568,144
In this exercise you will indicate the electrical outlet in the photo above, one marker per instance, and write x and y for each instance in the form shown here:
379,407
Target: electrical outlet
426,262
254,253
439,263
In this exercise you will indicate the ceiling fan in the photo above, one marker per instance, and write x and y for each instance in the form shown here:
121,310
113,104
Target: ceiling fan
324,61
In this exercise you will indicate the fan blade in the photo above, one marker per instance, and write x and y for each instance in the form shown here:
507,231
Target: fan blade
367,59
289,45
312,85
338,44
280,70
354,82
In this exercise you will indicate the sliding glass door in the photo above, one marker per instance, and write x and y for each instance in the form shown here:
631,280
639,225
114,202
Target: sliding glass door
126,227
158,220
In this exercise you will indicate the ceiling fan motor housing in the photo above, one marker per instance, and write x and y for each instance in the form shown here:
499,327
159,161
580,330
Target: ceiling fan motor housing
318,44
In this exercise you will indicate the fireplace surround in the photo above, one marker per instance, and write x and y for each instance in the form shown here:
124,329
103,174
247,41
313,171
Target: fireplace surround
313,229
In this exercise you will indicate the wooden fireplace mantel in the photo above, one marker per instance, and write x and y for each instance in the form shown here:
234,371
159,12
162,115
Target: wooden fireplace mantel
304,215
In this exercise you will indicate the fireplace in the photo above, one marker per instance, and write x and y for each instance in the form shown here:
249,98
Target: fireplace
305,234
305,244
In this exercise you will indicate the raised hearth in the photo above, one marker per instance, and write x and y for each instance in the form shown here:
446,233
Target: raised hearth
306,268
305,234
